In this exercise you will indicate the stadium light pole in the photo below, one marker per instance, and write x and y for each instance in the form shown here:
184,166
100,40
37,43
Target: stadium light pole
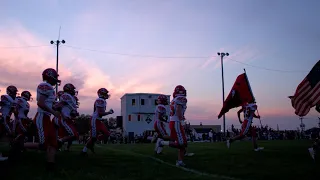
57,43
222,55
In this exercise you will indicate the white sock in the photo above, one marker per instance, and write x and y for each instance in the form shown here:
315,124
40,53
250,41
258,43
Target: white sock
165,143
85,149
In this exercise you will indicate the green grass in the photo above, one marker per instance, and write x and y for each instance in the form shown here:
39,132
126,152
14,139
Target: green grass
280,160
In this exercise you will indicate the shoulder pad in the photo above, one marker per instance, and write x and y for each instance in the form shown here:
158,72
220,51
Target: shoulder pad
4,98
44,89
161,109
19,101
100,103
181,100
65,97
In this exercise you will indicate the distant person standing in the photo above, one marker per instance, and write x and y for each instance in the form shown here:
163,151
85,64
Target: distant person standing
211,136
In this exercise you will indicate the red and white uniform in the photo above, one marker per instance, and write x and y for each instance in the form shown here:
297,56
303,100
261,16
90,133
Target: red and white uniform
96,124
159,126
21,120
177,132
45,127
248,111
69,106
8,104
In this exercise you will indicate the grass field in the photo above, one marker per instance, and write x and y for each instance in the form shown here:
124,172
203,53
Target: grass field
280,160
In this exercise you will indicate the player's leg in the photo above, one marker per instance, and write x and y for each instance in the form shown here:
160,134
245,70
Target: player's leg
39,131
52,142
103,129
162,135
244,130
92,139
182,143
70,130
254,139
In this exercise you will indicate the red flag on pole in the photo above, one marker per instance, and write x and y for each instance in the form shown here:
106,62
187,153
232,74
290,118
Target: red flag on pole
307,94
240,93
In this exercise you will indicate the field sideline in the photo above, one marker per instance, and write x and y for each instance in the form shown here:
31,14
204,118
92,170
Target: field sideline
279,160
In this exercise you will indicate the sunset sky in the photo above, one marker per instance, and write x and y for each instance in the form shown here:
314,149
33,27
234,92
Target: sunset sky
127,46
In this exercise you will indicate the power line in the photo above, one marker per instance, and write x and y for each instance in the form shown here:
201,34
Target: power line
268,69
140,55
159,57
183,57
16,47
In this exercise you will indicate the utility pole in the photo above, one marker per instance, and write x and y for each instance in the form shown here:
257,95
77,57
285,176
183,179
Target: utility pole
222,54
57,43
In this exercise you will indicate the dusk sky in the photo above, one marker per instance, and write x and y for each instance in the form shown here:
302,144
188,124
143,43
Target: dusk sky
104,38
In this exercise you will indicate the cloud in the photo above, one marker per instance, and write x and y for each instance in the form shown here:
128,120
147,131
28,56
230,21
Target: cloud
22,67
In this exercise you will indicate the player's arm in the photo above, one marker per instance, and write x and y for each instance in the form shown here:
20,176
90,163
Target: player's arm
255,116
179,112
162,114
41,103
239,112
16,108
102,112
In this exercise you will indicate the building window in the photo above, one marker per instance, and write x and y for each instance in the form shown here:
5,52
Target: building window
155,102
133,102
138,117
142,101
129,117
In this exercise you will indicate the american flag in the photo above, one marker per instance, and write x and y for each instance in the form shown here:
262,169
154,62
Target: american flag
307,94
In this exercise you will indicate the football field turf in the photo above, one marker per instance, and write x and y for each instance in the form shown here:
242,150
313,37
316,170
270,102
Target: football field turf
280,160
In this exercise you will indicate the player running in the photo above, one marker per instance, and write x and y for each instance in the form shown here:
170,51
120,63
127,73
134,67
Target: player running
249,113
161,118
100,106
8,104
178,107
45,127
21,122
67,105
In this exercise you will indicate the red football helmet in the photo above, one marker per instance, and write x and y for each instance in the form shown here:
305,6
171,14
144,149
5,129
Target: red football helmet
12,91
179,91
103,93
70,89
51,76
26,95
162,99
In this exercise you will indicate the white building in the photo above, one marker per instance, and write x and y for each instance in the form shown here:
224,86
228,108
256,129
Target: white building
137,111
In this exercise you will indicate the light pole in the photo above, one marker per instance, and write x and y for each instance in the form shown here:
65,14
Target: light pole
222,54
57,43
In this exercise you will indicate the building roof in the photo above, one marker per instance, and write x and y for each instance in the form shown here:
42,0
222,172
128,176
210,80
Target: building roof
131,94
